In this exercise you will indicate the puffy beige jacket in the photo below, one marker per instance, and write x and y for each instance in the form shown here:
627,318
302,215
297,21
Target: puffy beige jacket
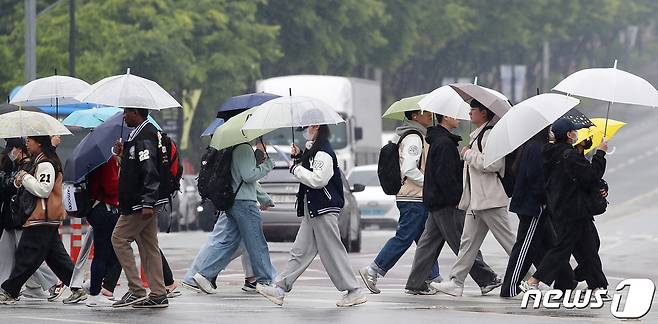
482,187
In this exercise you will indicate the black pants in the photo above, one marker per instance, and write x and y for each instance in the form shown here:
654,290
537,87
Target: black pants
534,238
103,222
595,272
38,244
113,274
577,238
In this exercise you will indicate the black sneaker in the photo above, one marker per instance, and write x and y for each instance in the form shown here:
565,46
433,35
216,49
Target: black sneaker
249,286
128,299
153,302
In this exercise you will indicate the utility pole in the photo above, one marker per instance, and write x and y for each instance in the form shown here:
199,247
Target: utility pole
546,65
72,33
30,40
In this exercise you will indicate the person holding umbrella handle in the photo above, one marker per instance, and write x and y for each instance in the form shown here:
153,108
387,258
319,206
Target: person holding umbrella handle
319,201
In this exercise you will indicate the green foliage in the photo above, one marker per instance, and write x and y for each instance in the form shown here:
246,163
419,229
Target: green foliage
221,47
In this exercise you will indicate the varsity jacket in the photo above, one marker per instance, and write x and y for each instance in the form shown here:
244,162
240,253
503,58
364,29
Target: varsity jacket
321,185
139,178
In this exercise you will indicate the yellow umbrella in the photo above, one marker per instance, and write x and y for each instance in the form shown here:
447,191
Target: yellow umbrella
398,108
597,131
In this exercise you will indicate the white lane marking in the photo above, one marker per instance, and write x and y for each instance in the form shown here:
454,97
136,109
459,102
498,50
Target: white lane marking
61,320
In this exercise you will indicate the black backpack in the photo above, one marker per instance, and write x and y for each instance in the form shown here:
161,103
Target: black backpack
509,179
388,166
170,163
215,178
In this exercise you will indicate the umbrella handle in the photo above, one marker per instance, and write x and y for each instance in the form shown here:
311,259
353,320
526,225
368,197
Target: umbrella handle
607,116
264,148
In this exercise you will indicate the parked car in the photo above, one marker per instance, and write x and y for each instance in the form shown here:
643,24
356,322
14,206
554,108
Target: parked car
280,223
377,208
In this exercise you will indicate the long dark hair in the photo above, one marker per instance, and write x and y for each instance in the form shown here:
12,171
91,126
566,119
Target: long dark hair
323,135
48,150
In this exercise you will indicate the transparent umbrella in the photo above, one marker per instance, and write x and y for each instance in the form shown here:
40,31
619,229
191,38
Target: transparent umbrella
523,121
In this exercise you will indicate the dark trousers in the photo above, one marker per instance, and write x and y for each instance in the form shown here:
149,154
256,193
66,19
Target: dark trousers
534,238
577,238
103,222
38,244
113,274
593,273
444,225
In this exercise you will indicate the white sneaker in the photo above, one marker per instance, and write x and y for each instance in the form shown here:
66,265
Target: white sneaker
449,287
352,298
271,293
98,301
204,284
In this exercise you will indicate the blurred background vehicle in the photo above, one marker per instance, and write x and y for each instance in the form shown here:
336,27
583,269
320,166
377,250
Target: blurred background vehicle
280,223
377,208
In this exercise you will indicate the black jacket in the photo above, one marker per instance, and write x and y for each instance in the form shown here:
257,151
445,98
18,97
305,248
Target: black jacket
443,183
529,191
568,175
329,199
8,170
139,179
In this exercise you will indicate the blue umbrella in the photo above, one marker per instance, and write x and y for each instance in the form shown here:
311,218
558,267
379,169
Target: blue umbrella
91,118
237,104
211,128
95,149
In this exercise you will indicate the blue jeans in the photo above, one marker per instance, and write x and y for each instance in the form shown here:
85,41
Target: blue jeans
218,233
243,223
411,224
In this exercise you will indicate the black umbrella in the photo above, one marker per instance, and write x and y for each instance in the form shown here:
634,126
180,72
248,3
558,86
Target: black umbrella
578,119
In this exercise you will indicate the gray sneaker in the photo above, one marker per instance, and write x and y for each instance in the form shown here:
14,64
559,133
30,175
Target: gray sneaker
352,298
56,291
525,286
6,299
491,286
369,280
77,296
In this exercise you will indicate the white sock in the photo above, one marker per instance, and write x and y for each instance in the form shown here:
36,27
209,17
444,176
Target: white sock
372,272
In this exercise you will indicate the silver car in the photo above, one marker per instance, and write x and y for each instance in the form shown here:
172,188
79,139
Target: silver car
280,223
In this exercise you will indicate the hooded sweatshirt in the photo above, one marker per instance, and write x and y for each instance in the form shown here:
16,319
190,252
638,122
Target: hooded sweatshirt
413,149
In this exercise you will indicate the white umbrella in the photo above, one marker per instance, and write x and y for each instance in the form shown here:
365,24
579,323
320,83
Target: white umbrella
611,85
128,91
23,123
523,121
447,102
292,111
51,91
